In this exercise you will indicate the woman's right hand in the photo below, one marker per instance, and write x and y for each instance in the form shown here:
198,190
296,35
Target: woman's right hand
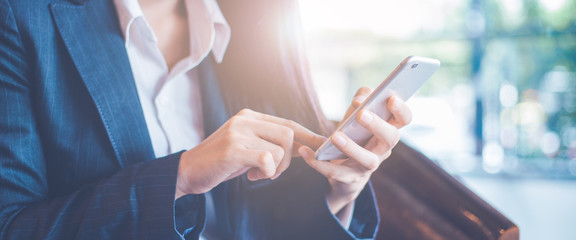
252,142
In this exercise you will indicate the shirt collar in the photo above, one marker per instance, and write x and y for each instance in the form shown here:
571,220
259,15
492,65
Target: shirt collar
129,10
221,28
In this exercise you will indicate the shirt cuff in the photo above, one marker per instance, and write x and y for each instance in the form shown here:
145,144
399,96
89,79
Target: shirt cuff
190,215
360,218
365,218
345,215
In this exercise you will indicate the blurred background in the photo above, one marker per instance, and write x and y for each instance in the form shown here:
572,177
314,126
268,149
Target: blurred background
500,114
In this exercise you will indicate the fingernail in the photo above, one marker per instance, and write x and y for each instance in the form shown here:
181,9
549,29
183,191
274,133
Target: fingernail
257,176
303,152
366,117
360,98
395,104
251,178
339,140
275,176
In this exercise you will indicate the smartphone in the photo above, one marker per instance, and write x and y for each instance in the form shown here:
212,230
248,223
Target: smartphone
403,82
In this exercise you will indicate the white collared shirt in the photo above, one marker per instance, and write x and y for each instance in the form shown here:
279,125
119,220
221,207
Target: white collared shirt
171,100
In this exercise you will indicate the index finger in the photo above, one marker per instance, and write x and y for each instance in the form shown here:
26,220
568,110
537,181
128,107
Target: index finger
301,134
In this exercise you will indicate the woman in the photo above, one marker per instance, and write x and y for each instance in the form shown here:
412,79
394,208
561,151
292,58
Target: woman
116,123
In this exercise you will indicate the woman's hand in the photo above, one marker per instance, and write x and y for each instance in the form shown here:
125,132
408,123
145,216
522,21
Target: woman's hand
348,176
250,142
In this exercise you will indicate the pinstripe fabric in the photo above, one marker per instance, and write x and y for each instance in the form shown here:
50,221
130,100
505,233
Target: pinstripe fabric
76,160
74,149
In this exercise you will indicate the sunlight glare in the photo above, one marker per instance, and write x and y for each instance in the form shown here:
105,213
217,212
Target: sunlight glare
401,20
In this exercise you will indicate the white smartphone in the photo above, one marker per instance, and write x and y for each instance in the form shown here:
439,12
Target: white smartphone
403,82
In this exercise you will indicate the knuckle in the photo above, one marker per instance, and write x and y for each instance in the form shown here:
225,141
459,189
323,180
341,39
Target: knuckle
356,179
332,176
402,122
287,138
373,166
373,163
347,180
387,145
231,149
264,158
291,124
390,137
231,137
245,112
236,120
288,133
278,154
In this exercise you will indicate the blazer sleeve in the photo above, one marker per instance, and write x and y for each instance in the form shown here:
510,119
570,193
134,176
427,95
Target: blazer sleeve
136,202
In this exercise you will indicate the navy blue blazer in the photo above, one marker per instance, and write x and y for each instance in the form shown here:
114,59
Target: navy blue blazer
76,160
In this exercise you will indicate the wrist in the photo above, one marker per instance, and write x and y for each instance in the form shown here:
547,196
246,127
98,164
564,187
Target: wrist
178,194
341,194
181,179
338,200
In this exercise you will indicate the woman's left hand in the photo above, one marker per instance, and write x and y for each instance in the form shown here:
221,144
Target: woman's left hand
349,176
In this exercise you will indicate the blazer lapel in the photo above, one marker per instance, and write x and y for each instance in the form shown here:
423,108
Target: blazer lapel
213,107
214,114
93,37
